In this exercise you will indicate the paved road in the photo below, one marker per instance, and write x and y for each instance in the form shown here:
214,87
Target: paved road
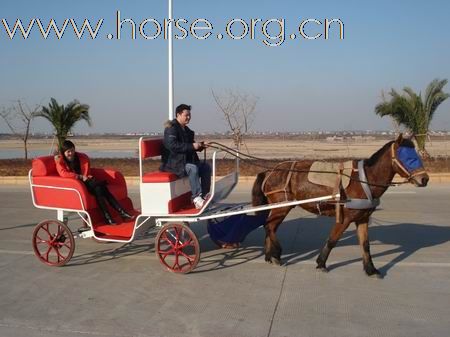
114,290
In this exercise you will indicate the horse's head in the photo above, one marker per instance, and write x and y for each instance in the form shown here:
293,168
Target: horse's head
407,163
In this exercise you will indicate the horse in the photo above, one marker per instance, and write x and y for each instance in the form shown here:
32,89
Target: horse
395,157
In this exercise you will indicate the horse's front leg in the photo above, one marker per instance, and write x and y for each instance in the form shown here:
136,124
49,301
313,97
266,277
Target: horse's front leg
272,247
335,235
362,228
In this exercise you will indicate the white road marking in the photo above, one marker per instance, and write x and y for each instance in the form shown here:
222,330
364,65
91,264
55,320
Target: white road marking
16,252
63,331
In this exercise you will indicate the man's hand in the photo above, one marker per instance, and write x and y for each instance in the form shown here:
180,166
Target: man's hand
197,146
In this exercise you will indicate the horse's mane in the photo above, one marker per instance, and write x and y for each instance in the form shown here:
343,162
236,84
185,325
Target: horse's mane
376,156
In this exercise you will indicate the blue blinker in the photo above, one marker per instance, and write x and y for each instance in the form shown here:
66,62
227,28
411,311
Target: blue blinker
409,158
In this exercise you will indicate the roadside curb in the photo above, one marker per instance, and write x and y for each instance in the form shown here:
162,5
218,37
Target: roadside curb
435,178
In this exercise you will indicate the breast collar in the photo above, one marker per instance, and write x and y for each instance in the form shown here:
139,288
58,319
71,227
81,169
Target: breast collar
367,203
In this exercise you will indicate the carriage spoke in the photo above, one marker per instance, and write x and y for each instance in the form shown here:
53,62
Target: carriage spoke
62,244
177,239
47,253
46,229
168,240
167,252
39,240
60,256
186,244
177,261
190,259
171,234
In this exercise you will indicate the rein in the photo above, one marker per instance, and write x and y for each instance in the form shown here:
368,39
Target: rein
242,156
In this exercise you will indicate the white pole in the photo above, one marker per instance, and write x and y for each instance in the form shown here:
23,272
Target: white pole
171,112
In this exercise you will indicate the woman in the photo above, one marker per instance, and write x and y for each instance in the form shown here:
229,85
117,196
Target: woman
71,164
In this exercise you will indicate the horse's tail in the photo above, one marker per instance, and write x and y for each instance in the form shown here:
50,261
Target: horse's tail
258,196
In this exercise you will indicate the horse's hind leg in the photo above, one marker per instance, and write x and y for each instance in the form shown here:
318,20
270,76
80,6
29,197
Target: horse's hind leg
363,237
272,247
335,235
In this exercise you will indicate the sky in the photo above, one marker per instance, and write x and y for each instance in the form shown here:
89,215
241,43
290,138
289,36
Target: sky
302,84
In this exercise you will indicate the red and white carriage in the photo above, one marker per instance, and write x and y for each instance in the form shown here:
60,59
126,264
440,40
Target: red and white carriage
165,199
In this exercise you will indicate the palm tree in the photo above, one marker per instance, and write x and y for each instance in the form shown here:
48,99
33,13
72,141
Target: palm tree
413,112
63,118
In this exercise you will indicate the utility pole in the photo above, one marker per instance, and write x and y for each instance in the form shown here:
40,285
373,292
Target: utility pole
170,56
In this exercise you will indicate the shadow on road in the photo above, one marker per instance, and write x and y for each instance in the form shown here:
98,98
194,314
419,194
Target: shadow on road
140,245
304,242
301,240
18,226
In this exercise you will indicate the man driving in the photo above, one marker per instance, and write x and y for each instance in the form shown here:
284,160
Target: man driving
180,155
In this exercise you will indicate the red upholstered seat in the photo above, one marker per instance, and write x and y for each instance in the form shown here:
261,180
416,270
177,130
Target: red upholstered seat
153,148
44,166
177,197
159,177
67,193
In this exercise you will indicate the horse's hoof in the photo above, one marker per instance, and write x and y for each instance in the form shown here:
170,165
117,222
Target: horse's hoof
276,261
322,269
377,276
373,273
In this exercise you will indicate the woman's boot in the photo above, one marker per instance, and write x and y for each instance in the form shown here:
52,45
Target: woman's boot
115,204
102,205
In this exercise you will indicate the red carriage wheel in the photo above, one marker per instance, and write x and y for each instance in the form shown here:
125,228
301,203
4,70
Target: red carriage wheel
177,248
53,243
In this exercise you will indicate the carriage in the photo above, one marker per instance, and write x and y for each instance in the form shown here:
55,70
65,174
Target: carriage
165,202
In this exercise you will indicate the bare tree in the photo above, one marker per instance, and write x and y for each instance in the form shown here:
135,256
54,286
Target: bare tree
238,109
18,118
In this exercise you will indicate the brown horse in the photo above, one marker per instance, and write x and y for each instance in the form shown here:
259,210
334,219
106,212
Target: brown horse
380,169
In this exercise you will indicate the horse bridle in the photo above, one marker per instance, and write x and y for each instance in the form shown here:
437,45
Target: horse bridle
409,175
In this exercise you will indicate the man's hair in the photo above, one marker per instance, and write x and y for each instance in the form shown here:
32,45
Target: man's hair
182,107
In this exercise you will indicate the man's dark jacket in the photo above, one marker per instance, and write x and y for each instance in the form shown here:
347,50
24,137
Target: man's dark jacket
178,149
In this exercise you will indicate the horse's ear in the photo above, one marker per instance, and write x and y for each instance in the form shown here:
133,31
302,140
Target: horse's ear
399,139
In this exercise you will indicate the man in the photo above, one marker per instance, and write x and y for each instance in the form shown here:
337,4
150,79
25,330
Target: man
180,155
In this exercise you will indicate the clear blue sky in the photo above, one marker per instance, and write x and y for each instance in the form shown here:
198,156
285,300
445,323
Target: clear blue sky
302,84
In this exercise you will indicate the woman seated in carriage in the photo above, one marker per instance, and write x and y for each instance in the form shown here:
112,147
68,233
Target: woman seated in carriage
72,164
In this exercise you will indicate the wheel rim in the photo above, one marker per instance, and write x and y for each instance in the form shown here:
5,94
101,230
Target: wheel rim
177,248
53,243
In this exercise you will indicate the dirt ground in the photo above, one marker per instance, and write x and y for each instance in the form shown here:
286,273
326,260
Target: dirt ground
280,147
271,148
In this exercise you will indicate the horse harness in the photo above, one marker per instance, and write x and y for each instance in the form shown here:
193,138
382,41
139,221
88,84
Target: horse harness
284,189
355,203
401,166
